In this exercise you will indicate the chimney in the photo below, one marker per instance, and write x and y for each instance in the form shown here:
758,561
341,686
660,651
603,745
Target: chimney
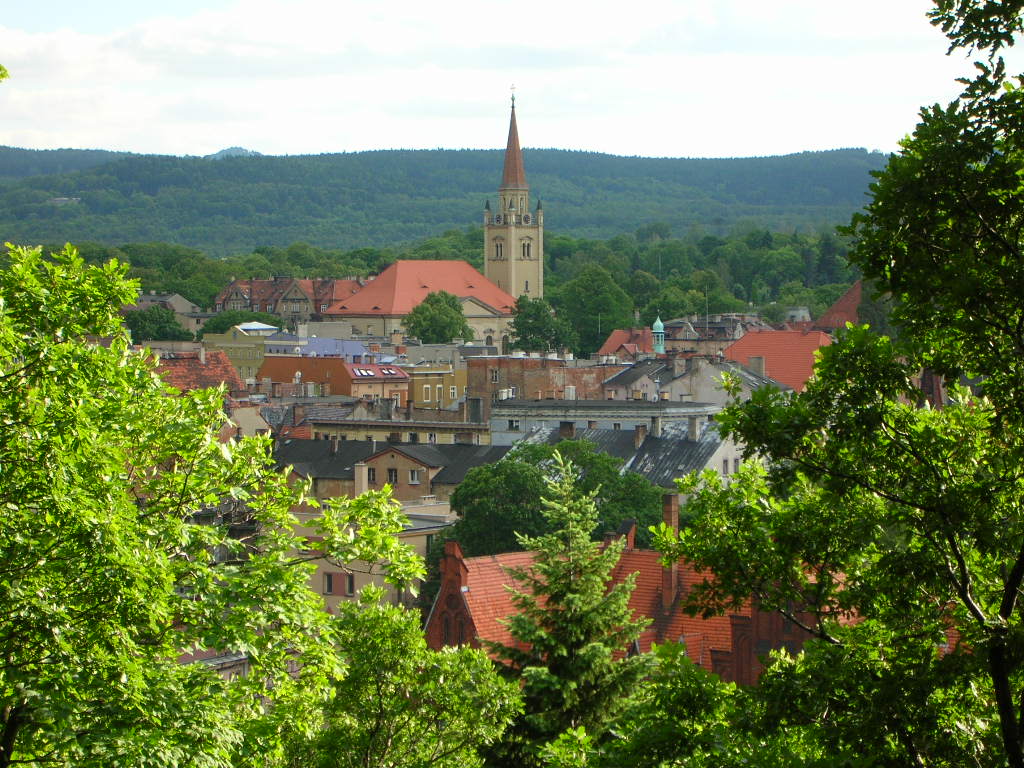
655,426
693,429
670,573
299,414
202,355
756,364
362,478
639,435
567,430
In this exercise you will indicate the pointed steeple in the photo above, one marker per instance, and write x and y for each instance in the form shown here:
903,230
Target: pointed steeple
514,175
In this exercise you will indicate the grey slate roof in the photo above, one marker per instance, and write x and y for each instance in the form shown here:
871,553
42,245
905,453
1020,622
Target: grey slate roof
659,459
648,368
313,458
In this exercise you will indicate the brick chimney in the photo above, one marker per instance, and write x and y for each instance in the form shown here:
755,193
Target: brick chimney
756,364
567,430
639,435
670,574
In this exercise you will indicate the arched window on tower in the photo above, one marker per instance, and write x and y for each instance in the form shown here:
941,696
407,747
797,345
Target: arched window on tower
497,249
526,249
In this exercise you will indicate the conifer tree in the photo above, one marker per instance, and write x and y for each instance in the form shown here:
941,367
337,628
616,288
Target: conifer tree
572,632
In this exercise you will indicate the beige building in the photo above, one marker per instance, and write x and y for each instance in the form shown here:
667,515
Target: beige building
513,236
244,344
436,387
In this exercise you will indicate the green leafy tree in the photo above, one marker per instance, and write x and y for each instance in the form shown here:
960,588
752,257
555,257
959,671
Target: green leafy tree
594,305
571,630
907,517
223,321
131,536
438,319
497,501
155,323
536,329
401,704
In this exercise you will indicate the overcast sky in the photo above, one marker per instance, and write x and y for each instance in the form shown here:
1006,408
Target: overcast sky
677,78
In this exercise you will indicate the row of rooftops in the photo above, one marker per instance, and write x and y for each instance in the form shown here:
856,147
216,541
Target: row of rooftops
399,288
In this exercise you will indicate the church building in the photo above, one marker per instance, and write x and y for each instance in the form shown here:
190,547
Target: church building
513,266
514,237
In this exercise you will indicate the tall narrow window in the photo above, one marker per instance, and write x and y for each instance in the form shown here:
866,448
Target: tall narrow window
497,249
526,287
526,249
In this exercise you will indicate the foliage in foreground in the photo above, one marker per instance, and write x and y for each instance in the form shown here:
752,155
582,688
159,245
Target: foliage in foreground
877,506
402,704
570,630
131,536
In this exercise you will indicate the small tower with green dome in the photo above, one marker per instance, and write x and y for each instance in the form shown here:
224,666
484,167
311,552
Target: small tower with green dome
658,330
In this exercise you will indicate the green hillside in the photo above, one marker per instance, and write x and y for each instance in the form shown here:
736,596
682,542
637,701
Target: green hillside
232,205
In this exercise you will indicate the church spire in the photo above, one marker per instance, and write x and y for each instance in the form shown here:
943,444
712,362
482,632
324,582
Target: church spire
514,175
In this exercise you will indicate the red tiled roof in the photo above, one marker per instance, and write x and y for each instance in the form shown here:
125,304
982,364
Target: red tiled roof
788,355
487,598
335,371
489,602
188,370
642,338
404,284
269,291
375,372
843,311
320,370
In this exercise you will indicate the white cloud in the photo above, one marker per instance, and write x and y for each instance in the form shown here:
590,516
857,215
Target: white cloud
661,77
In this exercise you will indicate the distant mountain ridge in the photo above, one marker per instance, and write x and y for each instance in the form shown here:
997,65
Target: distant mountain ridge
243,201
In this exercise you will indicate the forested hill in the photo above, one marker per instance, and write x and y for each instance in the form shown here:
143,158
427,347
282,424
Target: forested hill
234,204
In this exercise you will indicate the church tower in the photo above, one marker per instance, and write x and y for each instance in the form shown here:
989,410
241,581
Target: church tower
513,236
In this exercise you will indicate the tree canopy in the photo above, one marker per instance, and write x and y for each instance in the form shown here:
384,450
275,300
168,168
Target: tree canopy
131,537
889,526
155,323
400,704
535,328
438,319
223,321
570,629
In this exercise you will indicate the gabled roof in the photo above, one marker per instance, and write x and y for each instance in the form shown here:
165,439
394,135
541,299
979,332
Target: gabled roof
643,338
637,371
489,602
195,370
843,311
270,291
404,284
788,355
